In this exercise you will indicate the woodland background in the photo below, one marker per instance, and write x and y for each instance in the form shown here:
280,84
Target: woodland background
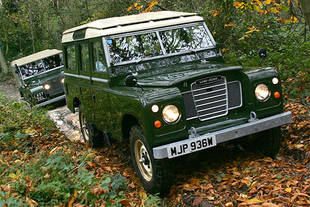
39,166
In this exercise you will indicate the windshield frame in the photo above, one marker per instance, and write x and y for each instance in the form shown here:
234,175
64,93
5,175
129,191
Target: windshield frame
156,31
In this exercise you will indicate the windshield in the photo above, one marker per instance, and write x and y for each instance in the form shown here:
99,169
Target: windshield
134,48
35,68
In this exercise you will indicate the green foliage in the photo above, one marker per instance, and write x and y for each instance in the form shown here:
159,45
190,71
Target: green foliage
17,124
51,179
242,28
152,200
5,200
35,169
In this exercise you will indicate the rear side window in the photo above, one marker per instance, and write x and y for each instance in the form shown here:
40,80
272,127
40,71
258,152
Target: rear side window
70,57
99,60
84,57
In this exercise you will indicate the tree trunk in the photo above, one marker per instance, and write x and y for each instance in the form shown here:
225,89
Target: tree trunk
3,63
32,33
305,5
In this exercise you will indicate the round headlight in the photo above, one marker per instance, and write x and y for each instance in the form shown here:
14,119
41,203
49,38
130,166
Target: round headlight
62,80
46,86
171,113
262,92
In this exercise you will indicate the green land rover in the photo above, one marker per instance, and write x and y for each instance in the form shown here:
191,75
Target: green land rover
40,77
159,80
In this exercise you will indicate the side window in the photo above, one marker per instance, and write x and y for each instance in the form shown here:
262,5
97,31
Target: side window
99,61
84,57
70,57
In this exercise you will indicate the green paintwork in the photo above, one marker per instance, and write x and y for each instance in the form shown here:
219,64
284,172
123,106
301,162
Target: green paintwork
114,107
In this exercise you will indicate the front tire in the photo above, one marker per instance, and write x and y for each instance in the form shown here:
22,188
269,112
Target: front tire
268,142
92,136
153,174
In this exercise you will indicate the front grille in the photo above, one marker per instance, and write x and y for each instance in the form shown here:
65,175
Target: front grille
207,100
56,87
210,97
40,96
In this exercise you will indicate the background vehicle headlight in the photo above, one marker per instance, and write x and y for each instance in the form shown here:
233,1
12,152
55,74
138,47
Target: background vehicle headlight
46,86
171,113
262,92
62,80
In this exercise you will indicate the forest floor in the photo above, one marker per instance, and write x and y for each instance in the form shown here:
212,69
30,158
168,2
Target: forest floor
223,176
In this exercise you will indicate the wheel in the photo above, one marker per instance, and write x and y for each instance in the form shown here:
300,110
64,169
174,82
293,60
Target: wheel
268,142
92,136
153,174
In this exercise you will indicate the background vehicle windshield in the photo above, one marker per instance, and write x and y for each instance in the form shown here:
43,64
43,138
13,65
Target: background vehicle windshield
40,66
155,44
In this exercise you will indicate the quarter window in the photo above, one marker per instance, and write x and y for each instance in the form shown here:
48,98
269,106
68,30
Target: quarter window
99,59
84,57
71,59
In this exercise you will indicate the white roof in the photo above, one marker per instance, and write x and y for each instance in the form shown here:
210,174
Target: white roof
35,57
117,25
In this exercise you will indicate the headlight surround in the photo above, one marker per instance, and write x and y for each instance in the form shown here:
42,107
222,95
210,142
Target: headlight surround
262,92
46,86
171,113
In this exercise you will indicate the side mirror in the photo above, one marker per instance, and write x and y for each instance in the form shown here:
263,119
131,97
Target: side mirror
131,80
16,69
262,53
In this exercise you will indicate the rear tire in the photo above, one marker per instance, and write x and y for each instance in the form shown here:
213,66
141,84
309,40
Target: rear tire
92,136
153,174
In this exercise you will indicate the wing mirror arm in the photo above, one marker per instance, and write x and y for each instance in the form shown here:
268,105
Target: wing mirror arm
262,54
131,81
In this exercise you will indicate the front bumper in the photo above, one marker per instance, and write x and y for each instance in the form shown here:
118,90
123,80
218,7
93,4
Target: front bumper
232,133
51,101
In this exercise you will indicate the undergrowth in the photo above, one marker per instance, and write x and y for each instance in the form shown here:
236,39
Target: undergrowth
40,167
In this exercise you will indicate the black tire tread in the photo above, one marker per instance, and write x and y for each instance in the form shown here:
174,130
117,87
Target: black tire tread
96,139
162,180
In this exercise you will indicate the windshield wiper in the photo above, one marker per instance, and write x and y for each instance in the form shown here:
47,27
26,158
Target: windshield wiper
195,53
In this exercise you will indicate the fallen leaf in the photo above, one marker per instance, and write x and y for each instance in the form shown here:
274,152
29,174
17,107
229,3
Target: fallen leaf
197,201
125,202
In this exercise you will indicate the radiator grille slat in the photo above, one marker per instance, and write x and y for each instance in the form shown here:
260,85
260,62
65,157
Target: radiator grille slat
210,97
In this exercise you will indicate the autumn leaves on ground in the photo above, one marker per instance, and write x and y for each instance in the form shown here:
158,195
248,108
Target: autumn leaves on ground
39,166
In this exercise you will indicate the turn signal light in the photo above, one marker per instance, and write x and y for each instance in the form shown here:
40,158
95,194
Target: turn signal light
157,124
277,95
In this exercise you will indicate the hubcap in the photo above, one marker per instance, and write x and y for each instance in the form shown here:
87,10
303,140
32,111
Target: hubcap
143,160
84,128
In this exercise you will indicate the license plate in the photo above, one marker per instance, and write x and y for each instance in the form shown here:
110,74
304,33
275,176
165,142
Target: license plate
191,145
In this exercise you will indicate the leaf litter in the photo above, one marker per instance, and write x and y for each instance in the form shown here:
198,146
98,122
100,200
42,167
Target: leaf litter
223,176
